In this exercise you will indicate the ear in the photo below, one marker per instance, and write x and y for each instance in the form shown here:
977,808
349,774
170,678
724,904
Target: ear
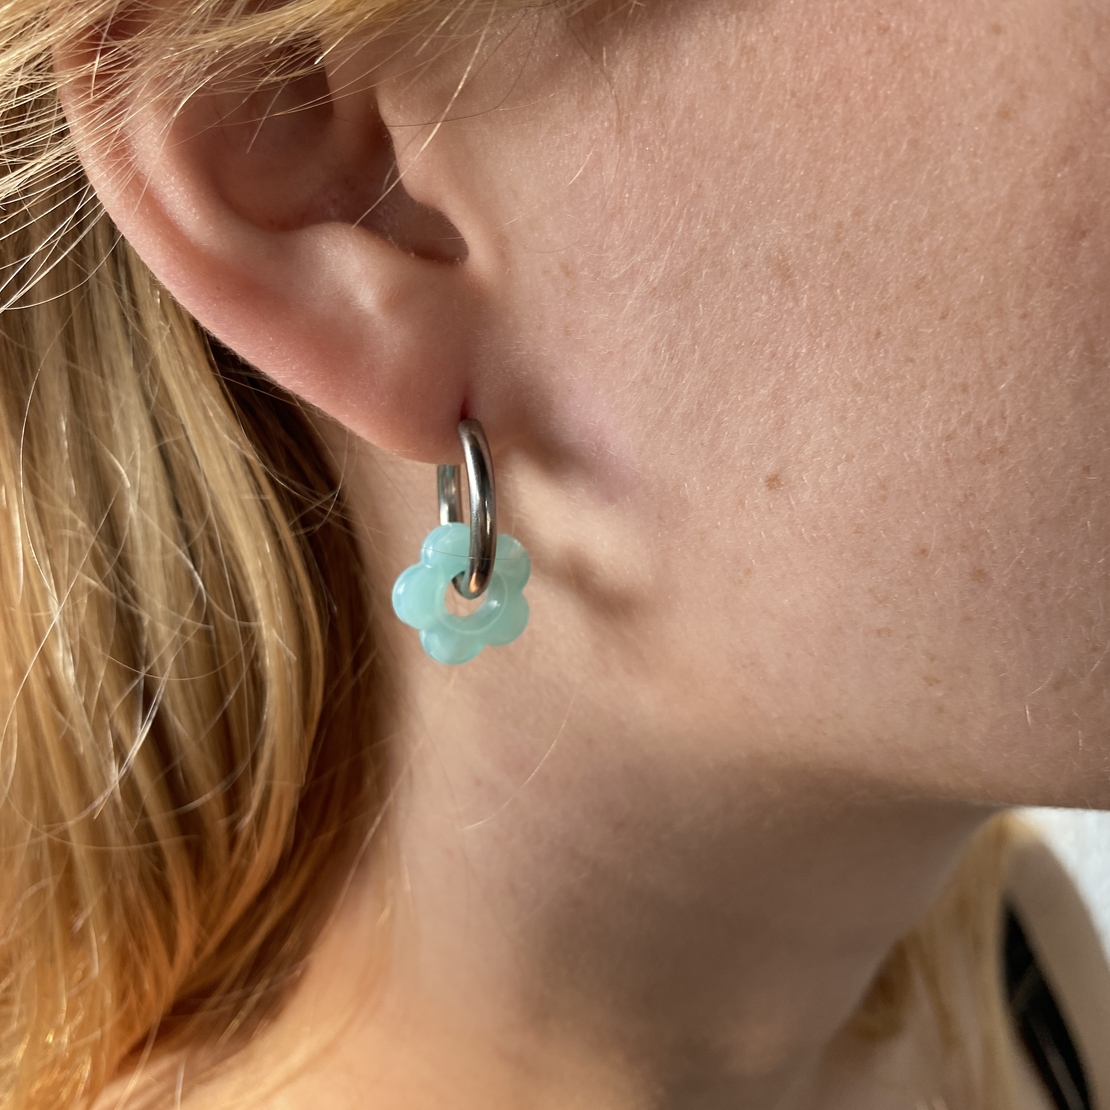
278,219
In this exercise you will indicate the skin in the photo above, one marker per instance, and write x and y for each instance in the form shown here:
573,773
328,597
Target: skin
787,324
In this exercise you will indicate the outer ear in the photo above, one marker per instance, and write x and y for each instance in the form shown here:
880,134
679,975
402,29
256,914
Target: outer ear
278,221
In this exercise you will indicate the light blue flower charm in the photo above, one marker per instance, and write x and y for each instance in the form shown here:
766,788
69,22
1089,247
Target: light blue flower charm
418,596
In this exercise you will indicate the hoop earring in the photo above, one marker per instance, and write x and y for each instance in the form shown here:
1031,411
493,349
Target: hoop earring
474,560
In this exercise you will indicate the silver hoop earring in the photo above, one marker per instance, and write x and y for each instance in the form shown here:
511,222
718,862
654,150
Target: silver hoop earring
483,508
473,559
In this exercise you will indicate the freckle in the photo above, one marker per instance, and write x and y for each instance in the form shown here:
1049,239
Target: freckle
979,575
779,265
1087,471
931,680
1004,113
996,28
884,633
922,552
773,481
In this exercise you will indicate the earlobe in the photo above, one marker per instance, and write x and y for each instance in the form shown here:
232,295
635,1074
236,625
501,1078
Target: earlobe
278,220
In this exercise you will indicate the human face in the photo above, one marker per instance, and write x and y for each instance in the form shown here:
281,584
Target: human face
805,310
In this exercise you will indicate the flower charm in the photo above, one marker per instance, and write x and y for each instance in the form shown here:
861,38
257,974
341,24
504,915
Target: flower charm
418,596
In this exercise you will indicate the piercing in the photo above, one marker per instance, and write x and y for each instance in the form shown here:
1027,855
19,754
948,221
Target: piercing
475,560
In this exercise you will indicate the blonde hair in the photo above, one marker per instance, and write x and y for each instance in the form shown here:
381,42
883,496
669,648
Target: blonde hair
191,749
953,958
189,705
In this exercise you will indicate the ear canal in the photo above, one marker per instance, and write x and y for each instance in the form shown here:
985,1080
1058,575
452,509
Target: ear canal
403,221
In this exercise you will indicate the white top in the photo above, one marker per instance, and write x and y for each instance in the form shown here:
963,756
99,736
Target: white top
1080,839
1062,896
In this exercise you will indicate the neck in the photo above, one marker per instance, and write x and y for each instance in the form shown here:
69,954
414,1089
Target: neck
698,945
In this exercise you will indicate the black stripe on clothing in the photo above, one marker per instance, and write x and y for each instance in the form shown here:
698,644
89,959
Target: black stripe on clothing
1039,1023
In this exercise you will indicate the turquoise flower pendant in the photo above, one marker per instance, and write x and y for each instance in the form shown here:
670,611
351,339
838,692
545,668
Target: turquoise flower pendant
418,596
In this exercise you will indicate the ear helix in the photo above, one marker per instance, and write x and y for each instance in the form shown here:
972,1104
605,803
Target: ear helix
473,560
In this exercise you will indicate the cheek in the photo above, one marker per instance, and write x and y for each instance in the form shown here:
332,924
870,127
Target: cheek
836,281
